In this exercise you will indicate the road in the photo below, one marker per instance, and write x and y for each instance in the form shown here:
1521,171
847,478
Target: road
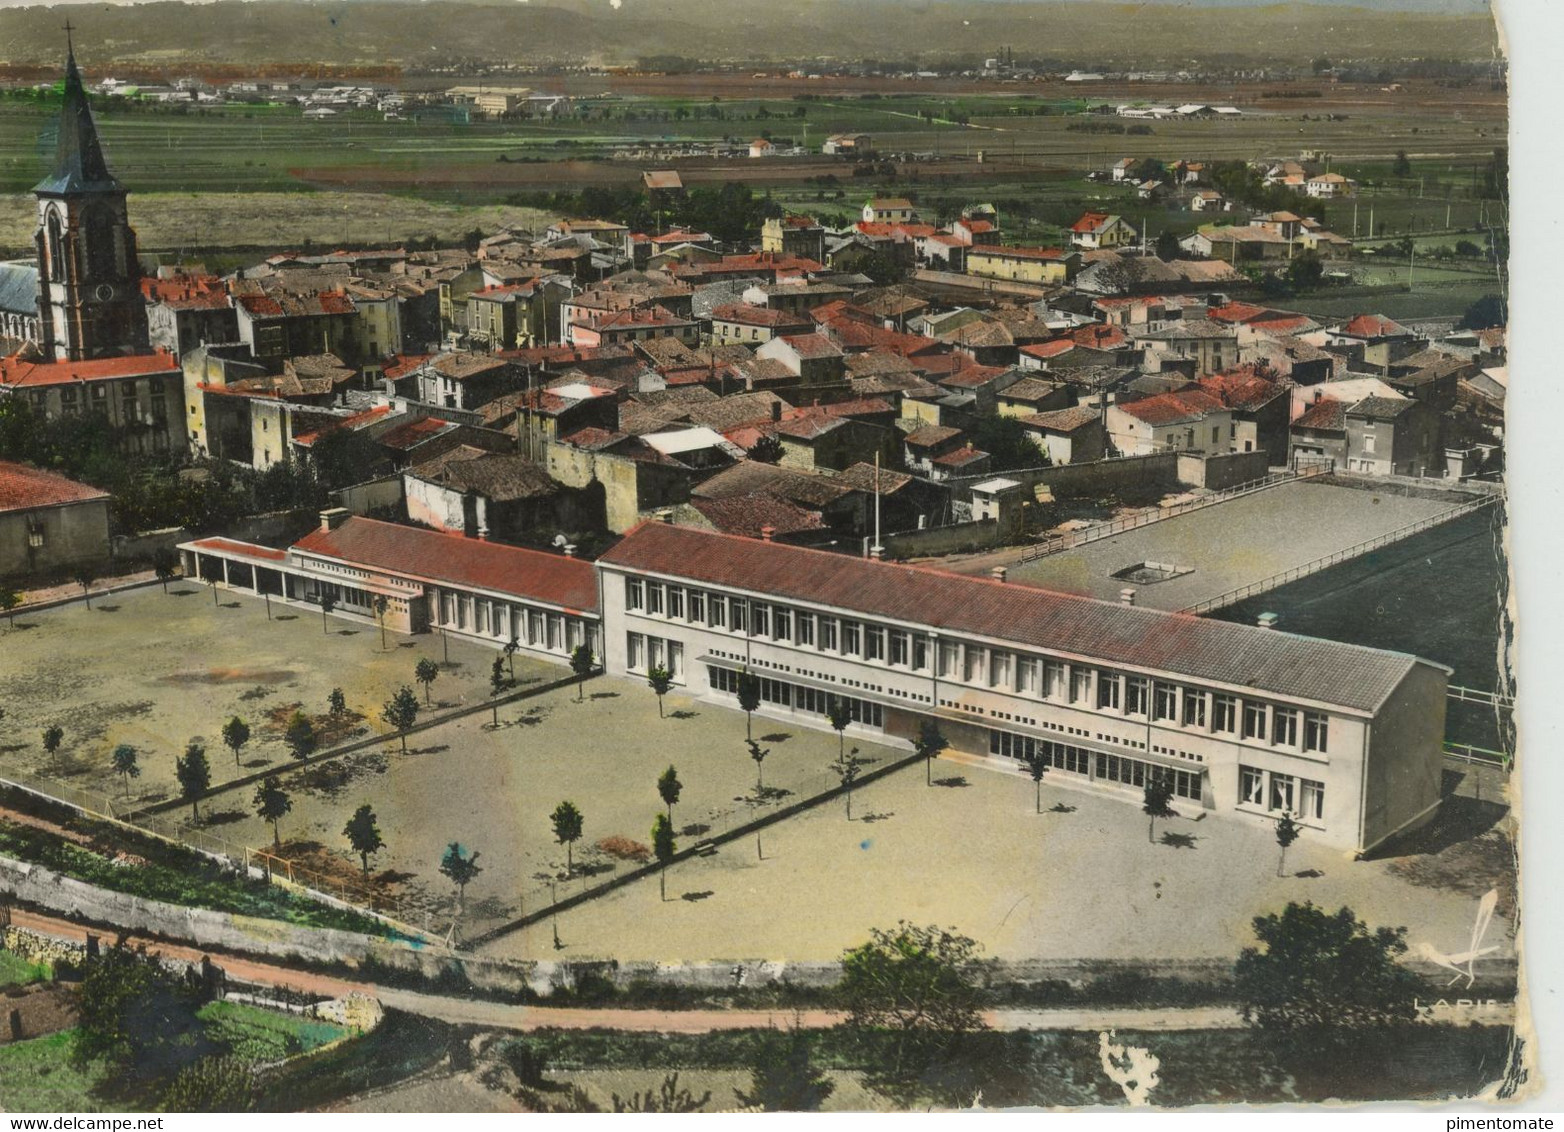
523,1018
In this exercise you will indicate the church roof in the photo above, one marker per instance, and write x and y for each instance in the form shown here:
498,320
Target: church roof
78,158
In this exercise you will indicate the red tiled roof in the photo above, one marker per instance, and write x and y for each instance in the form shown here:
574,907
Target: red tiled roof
1131,637
1237,312
248,549
435,557
971,377
296,306
1327,414
1019,253
758,316
1099,337
415,432
1244,387
15,372
403,365
1064,420
1174,408
23,487
748,515
961,457
1090,221
812,345
1374,326
1049,349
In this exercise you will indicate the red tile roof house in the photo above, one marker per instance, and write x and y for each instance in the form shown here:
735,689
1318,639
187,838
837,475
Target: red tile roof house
479,590
49,525
133,392
1320,434
1191,419
1069,436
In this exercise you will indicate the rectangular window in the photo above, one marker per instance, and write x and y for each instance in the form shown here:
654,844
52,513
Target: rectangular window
1135,692
1282,793
874,643
1164,702
1026,674
977,664
482,623
999,669
827,634
1194,708
1108,691
781,624
535,628
635,594
920,654
697,607
948,654
737,613
556,625
1251,786
852,638
654,597
804,633
898,648
676,602
717,616
1224,713
1313,799
655,652
760,613
1080,684
635,652
1284,727
1053,680
1254,720
1316,731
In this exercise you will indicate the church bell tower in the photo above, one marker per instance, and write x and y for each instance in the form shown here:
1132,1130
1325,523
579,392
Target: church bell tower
89,279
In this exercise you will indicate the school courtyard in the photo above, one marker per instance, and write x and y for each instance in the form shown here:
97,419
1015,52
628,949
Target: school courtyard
1079,880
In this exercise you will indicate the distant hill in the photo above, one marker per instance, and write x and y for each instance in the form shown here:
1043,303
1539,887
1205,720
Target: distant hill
1086,33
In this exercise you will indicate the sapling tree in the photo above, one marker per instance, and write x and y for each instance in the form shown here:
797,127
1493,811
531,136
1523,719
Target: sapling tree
758,753
512,647
194,774
85,576
663,849
271,804
1156,801
382,604
125,764
659,680
236,733
9,600
401,712
363,833
337,703
669,788
327,604
165,565
930,743
847,768
300,736
1037,767
568,823
53,736
1287,832
839,715
749,699
581,663
426,672
459,869
496,686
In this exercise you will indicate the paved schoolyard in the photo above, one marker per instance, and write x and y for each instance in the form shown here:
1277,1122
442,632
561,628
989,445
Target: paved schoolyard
155,670
1081,882
1230,544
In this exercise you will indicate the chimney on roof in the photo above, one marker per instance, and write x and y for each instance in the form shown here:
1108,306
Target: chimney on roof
664,515
768,533
1268,620
333,517
483,534
999,573
1127,595
569,549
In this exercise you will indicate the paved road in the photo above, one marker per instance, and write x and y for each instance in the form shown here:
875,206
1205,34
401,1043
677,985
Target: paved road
510,1016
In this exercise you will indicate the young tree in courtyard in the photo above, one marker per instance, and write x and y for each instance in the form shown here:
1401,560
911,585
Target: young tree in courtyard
581,663
930,743
363,834
53,736
920,985
1037,766
382,604
271,804
847,767
401,712
84,578
659,680
782,1076
426,672
337,703
1322,982
749,699
1287,832
758,753
669,788
663,848
9,600
1155,803
236,733
567,822
165,565
512,647
327,604
125,765
839,715
460,870
300,736
496,686
194,774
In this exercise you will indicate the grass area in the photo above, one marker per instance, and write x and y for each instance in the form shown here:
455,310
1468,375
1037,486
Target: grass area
401,1046
254,1034
1053,1068
37,1076
18,972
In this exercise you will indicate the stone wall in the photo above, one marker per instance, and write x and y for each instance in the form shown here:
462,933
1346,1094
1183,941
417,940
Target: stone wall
1226,470
956,538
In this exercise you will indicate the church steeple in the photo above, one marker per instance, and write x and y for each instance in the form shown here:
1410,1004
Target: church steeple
78,157
89,279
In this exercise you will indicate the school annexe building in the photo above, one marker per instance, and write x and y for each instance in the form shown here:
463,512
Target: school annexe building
1243,720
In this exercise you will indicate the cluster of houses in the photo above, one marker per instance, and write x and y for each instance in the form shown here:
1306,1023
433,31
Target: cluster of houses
734,414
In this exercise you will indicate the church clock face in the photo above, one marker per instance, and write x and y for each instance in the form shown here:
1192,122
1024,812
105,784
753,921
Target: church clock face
104,293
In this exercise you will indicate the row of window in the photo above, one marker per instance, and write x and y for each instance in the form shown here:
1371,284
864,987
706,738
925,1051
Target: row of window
1281,793
1097,765
812,700
535,628
644,653
1081,686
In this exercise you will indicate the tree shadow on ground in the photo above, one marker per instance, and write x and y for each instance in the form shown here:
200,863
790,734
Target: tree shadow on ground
253,763
25,626
952,781
603,696
593,868
233,604
434,750
256,693
182,593
406,644
1179,840
777,737
10,747
694,829
1308,874
347,632
106,608
682,713
1061,808
392,876
872,818
224,817
1458,819
692,897
286,617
